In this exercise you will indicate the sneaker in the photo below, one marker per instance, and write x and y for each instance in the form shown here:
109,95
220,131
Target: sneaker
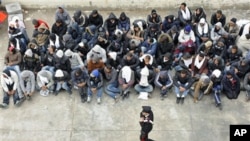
28,97
178,100
99,100
56,93
117,98
195,100
70,92
75,87
18,103
83,100
3,105
88,99
182,100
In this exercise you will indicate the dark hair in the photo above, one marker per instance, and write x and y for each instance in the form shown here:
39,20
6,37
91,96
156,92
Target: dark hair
108,66
219,12
183,72
129,54
78,71
148,57
184,4
234,47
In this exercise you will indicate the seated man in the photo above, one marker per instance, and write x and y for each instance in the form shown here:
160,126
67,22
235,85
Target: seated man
207,48
126,80
153,31
59,28
27,83
184,15
233,29
95,85
42,38
218,32
198,15
187,42
182,83
164,45
55,40
218,17
110,25
154,18
232,55
124,23
75,31
241,68
75,59
89,36
112,87
95,19
69,42
144,84
97,51
80,18
10,85
13,59
149,47
61,79
199,65
62,14
31,61
216,78
130,60
203,86
165,62
94,63
48,62
202,32
169,22
45,82
231,85
164,81
80,79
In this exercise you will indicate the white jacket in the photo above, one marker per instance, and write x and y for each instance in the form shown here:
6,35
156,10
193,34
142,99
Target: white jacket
186,37
13,77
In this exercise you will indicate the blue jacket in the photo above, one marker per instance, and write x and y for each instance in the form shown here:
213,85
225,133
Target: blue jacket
124,24
150,48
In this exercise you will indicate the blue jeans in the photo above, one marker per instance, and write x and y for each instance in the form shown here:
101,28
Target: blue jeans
63,85
99,92
139,88
16,68
49,68
112,90
6,97
177,91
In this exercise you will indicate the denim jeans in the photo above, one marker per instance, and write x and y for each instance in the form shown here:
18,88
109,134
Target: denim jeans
16,68
63,85
112,90
49,68
139,88
99,92
177,91
6,97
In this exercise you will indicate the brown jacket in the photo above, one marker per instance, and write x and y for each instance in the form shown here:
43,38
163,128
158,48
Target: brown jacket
199,85
15,59
91,66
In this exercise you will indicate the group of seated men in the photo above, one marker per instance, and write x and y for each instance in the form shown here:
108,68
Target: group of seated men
112,57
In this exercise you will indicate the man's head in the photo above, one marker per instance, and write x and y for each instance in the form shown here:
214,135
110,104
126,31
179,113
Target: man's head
147,59
233,22
218,26
51,49
94,13
35,22
78,72
202,22
183,6
60,9
108,68
234,49
218,14
187,29
153,13
183,73
58,22
129,56
229,74
136,27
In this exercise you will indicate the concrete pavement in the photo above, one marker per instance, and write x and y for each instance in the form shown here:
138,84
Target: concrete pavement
65,118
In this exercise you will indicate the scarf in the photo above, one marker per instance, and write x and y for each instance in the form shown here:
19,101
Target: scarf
56,44
188,62
198,63
186,14
144,77
126,73
205,29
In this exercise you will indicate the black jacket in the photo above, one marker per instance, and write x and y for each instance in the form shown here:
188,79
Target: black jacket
214,20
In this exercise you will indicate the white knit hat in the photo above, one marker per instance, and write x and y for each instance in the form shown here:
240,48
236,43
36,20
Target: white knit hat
29,53
59,73
68,53
59,53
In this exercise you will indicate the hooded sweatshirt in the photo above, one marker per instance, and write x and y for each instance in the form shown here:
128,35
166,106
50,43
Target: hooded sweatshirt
124,24
111,27
27,77
11,81
64,16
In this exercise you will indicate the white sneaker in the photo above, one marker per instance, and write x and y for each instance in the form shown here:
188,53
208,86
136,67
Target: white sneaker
98,100
88,99
75,87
